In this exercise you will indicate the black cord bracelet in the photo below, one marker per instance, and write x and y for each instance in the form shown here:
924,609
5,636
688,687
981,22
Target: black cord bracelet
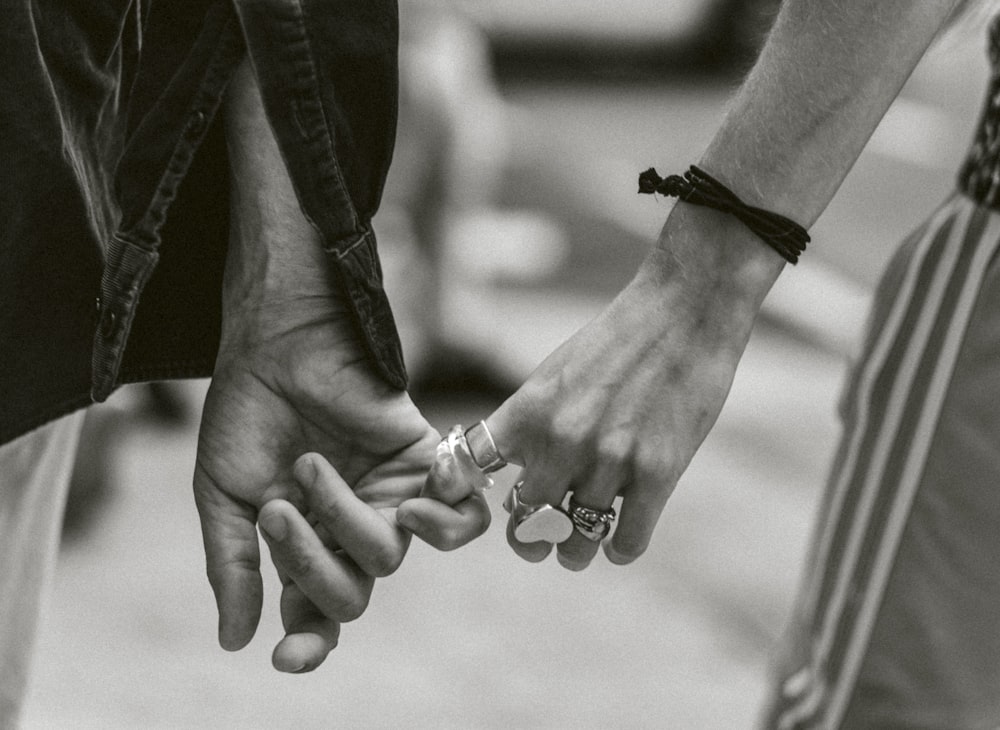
785,236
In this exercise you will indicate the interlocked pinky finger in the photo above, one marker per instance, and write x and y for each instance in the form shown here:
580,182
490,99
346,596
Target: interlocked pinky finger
443,526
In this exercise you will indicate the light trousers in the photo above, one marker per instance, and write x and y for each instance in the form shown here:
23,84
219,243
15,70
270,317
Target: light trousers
35,471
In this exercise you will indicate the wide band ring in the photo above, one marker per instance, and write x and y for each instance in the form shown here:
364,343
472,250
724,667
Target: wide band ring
454,475
593,524
483,448
537,522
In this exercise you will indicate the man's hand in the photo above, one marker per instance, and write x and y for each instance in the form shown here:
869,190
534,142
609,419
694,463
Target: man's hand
293,380
306,390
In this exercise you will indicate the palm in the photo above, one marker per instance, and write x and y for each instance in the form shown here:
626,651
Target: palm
306,390
301,394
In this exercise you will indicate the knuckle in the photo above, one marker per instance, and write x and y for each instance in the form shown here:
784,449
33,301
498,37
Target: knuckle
325,510
473,526
614,448
218,572
385,561
567,429
351,608
450,539
483,522
297,563
479,521
657,467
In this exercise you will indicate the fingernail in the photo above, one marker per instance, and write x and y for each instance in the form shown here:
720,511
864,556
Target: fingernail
226,641
299,669
305,471
274,526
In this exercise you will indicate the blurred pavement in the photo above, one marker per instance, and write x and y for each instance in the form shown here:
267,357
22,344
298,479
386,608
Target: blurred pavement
478,639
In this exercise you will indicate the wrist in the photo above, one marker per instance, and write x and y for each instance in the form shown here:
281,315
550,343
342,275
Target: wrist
277,275
708,255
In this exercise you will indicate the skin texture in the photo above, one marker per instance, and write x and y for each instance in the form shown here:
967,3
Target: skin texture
297,429
619,410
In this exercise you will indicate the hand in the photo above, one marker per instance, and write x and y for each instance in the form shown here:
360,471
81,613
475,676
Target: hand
451,509
620,408
368,539
320,581
272,399
291,378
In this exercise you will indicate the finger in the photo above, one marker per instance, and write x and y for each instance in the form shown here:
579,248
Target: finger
642,505
597,491
232,558
505,424
442,526
338,587
534,491
454,476
310,636
375,544
543,481
577,552
533,552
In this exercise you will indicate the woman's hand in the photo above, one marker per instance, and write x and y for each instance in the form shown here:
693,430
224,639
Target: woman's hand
620,409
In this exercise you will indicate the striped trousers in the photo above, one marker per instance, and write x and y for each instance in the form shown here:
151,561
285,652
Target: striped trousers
897,623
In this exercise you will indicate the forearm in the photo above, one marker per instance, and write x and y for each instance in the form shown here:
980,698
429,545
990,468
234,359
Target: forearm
822,82
275,259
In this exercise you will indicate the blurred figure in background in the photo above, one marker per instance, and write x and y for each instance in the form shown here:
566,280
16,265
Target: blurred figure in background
451,147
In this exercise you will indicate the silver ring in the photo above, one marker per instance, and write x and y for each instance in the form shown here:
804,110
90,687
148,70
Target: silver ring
593,524
483,448
537,522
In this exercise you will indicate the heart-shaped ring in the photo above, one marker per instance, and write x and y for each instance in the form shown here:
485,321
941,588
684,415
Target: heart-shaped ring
537,522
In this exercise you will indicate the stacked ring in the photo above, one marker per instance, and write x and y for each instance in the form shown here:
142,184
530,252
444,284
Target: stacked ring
593,524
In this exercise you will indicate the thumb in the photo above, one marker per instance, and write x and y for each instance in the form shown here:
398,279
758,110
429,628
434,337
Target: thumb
232,557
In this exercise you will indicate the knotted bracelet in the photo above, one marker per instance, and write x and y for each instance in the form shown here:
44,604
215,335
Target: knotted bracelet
697,187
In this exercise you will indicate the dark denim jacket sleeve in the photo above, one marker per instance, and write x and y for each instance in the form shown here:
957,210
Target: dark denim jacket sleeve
328,76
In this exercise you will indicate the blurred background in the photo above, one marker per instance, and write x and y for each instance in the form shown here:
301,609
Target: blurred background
510,219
